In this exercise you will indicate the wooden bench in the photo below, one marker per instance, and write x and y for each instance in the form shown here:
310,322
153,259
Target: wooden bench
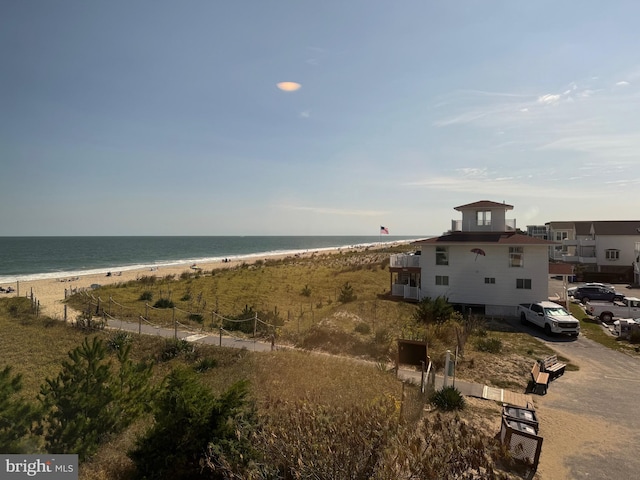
540,379
551,366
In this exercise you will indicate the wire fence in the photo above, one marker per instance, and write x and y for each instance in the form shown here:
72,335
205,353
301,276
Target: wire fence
100,313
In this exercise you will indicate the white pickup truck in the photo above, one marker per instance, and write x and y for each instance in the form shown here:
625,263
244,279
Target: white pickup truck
552,317
628,307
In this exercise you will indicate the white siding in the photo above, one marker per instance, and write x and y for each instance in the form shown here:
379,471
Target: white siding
624,243
467,274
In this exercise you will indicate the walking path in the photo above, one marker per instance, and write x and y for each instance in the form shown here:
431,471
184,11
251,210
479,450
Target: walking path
470,389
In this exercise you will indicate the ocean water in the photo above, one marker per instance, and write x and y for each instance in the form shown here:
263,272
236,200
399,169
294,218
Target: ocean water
33,258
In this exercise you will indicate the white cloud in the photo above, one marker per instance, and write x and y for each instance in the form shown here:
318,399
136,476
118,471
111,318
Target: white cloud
549,99
305,114
623,83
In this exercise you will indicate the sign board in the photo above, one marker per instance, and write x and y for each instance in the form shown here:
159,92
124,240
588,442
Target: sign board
412,352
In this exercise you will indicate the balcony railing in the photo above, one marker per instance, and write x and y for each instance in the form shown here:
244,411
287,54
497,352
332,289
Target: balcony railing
402,260
405,291
456,226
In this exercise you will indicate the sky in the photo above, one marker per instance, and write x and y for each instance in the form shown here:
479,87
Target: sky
165,117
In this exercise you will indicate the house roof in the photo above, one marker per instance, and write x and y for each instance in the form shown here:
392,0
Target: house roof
617,227
484,204
583,228
498,238
600,227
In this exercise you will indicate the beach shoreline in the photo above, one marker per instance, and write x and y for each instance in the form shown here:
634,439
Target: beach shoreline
51,292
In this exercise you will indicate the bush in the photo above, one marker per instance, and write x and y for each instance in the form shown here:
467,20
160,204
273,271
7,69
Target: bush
196,317
433,310
196,435
173,348
119,340
164,303
448,398
347,294
489,345
306,291
146,296
205,364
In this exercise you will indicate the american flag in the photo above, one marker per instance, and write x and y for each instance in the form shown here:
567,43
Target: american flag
384,230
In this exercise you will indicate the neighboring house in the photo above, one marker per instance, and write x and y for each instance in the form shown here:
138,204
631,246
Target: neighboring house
608,247
482,262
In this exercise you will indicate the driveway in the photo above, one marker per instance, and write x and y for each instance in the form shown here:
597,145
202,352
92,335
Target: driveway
589,419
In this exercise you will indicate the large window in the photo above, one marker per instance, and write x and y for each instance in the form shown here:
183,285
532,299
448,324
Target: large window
516,257
442,280
523,283
483,217
612,254
559,236
442,255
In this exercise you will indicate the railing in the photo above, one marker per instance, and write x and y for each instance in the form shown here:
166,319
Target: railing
405,291
456,226
402,260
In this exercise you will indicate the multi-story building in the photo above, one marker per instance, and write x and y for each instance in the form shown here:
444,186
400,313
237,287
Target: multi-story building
608,247
482,262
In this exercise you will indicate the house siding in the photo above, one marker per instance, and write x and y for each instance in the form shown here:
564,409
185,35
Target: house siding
467,272
624,243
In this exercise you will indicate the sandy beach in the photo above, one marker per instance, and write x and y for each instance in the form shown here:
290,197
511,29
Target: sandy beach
51,292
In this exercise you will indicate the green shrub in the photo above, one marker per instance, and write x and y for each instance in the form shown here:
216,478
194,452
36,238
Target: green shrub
119,340
306,291
196,317
196,435
205,364
146,296
347,294
173,348
448,398
433,310
489,345
164,303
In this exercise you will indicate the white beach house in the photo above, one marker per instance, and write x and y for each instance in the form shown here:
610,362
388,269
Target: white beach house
482,262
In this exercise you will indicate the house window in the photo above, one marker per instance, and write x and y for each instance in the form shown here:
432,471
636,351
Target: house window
442,280
516,257
523,283
559,236
483,217
490,280
612,254
442,255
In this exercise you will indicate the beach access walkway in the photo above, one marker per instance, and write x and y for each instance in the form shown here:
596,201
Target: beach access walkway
467,388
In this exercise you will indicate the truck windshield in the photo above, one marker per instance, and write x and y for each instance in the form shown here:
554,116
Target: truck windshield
556,311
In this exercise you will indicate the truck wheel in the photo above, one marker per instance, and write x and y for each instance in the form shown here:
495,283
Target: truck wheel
584,300
606,317
523,319
547,329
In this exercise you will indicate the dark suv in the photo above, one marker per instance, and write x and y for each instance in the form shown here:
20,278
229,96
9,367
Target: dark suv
584,294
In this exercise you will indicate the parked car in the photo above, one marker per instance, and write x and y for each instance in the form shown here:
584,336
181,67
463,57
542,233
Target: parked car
550,316
584,294
572,290
628,307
